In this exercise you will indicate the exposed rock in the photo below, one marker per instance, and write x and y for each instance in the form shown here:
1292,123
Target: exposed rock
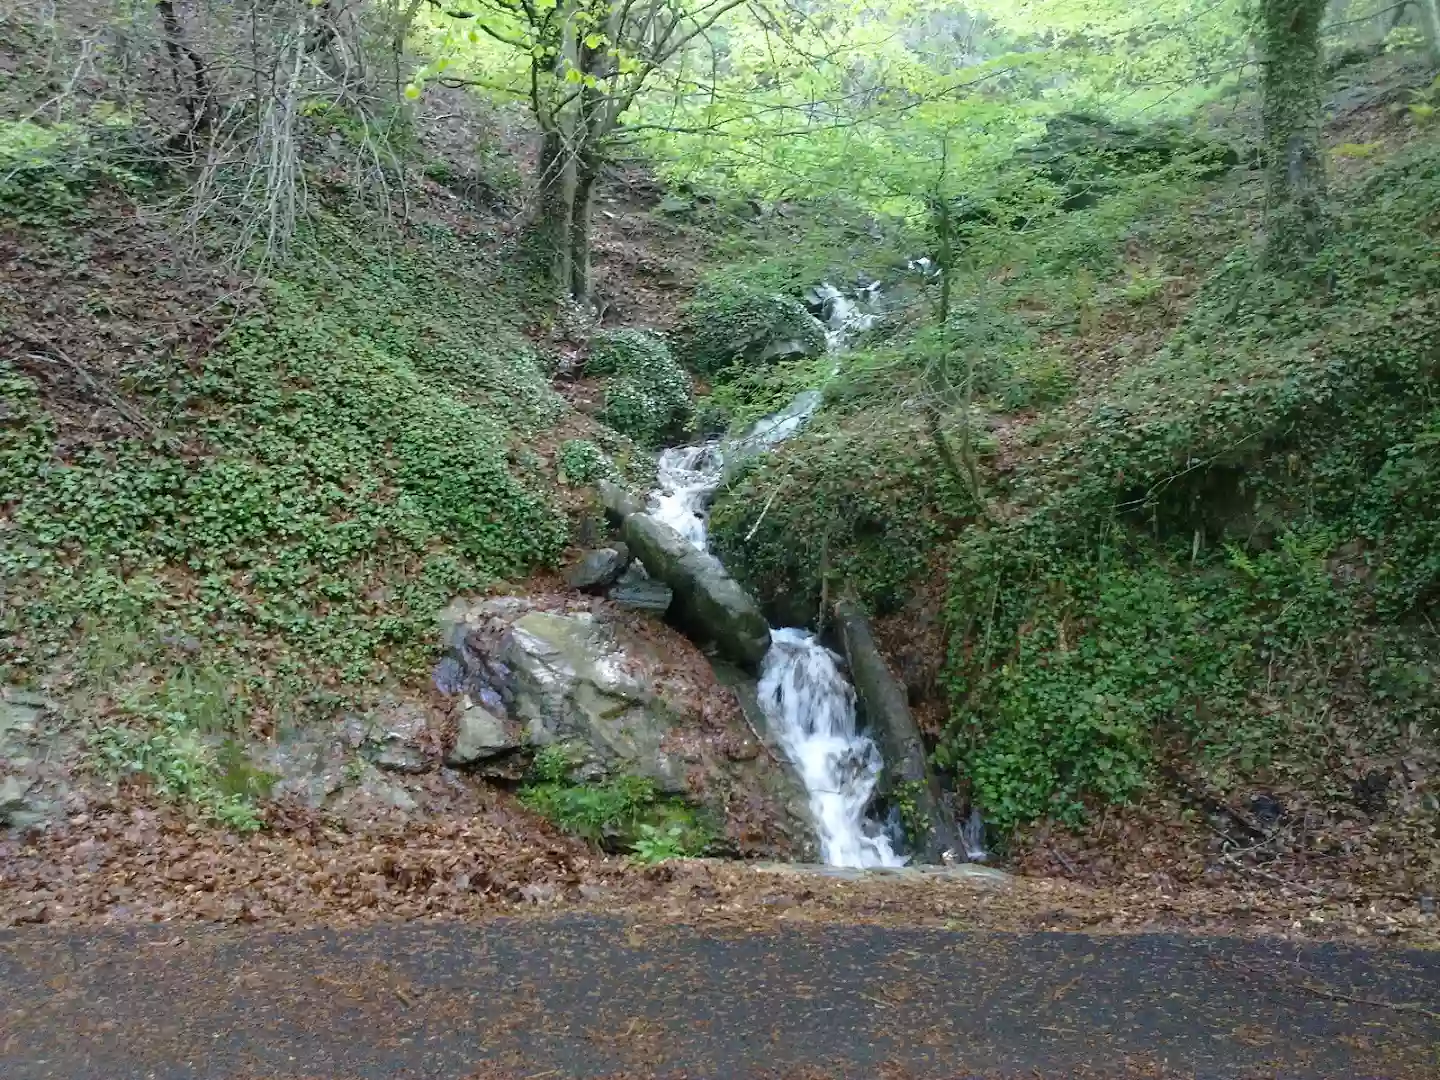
885,707
573,685
636,698
598,568
17,810
637,590
400,758
36,750
708,603
618,502
770,771
482,736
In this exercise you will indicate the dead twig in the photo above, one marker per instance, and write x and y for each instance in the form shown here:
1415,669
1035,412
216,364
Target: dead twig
1230,860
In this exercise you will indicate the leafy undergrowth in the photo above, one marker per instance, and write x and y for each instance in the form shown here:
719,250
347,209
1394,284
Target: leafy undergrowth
623,813
228,513
1174,524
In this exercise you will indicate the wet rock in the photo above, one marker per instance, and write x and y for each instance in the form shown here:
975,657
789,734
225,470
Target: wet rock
482,735
771,772
618,502
573,684
640,592
708,603
886,708
597,569
402,759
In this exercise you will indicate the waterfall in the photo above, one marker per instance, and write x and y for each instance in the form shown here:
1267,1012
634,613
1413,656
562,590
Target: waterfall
809,703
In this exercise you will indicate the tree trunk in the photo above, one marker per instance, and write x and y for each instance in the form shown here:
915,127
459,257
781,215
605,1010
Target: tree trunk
551,229
195,98
587,171
1295,187
1430,23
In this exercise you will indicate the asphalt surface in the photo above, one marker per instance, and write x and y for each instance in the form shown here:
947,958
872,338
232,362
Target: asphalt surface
590,996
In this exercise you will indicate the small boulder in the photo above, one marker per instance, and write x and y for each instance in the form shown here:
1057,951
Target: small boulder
482,736
599,568
638,591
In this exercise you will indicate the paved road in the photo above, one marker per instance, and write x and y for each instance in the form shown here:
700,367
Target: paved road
588,996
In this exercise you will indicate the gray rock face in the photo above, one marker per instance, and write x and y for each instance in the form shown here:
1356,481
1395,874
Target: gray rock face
573,685
618,502
885,707
482,736
640,592
35,747
709,603
633,702
597,569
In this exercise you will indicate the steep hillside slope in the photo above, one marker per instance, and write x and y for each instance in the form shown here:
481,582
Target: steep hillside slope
1155,516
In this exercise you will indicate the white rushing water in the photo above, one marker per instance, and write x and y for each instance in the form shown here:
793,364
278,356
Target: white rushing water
810,705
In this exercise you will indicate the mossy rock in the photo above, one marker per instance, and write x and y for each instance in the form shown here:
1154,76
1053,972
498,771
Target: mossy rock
727,328
648,395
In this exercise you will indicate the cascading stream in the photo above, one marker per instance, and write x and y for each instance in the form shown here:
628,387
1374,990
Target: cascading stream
808,701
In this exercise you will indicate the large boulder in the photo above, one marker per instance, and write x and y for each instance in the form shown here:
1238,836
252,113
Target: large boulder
729,327
885,708
632,697
572,685
709,603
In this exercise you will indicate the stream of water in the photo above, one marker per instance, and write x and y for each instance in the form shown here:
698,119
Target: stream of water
809,702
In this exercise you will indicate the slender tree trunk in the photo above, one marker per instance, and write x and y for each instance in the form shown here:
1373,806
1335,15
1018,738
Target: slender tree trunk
196,98
1430,22
587,171
551,229
944,253
1295,187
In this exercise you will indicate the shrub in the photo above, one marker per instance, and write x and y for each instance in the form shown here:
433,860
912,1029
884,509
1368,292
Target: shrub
621,813
729,325
647,393
582,462
1239,535
861,506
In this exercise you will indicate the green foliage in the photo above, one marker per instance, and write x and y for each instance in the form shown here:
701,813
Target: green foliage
907,798
46,172
647,393
653,845
1243,527
751,392
183,768
624,812
346,469
860,506
582,462
729,326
